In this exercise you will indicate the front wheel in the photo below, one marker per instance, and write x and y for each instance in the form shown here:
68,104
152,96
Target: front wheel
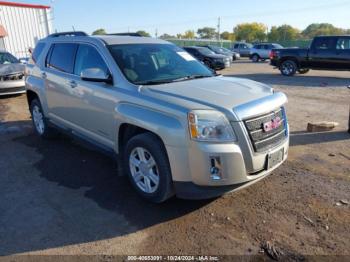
288,68
148,169
303,71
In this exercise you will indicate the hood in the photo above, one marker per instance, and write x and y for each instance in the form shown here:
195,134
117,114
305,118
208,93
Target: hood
8,69
214,92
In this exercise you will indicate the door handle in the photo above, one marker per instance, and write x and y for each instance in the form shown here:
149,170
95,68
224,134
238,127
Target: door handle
73,84
43,75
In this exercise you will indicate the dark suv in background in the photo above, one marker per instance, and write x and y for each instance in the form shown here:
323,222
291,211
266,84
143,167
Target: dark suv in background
243,49
209,58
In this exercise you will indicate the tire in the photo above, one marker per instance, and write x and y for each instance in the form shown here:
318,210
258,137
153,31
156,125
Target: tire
255,58
147,166
40,123
208,64
288,68
303,71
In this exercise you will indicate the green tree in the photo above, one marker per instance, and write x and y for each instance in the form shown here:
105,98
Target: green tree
166,36
189,34
100,31
206,32
250,32
322,29
227,36
143,33
283,33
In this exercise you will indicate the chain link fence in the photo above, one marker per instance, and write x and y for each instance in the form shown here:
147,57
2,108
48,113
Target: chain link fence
228,44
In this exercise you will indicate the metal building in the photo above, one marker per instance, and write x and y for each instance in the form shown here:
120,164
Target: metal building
22,25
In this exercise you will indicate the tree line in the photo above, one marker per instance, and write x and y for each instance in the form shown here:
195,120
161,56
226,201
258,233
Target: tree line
254,32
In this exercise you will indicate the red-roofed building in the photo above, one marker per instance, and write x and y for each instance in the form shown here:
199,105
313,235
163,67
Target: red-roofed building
22,25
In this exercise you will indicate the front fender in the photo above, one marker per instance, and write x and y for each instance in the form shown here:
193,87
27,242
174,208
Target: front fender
168,127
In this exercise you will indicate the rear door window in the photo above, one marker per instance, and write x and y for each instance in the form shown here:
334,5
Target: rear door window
61,57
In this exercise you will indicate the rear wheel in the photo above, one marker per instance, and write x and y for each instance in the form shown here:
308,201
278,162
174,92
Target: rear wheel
148,169
255,58
303,71
40,123
288,68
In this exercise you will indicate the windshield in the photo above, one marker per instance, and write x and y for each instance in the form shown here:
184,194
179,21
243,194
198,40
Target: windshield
157,63
205,51
277,46
219,50
7,58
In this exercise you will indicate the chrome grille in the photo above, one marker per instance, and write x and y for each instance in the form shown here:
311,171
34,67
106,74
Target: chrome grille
264,140
12,77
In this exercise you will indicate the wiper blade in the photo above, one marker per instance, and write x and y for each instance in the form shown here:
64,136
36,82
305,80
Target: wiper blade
190,77
153,82
166,81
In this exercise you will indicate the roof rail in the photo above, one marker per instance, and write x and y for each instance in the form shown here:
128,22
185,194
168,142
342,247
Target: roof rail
126,34
72,33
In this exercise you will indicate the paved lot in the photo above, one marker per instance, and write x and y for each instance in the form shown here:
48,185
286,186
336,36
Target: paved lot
60,197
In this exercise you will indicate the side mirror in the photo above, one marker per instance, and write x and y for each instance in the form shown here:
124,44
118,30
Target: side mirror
95,75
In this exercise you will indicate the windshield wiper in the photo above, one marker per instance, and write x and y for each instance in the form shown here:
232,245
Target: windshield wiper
154,82
190,77
166,81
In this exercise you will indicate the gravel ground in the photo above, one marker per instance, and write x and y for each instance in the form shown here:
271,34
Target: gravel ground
61,197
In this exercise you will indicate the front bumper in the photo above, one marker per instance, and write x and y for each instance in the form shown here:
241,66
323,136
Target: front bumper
221,65
238,169
275,63
236,56
12,87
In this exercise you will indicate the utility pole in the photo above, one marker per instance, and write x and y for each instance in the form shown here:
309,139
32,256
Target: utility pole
219,28
156,33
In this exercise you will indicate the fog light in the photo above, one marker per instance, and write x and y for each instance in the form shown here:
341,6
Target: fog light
215,168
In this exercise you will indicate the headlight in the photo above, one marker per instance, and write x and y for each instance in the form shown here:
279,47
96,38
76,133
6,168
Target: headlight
219,60
210,125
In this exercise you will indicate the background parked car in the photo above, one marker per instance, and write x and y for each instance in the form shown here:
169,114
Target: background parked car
243,49
11,74
208,57
223,51
262,51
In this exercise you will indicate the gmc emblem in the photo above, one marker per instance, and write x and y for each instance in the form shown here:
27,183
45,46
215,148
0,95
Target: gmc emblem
273,124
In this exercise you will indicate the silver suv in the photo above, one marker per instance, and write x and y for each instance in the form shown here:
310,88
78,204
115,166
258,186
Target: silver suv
262,51
176,127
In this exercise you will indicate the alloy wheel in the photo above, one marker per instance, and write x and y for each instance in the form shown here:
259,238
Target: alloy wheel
38,119
144,170
287,68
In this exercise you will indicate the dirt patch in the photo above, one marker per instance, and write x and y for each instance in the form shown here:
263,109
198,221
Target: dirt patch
59,197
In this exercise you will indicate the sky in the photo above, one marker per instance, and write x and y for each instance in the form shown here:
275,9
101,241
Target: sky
177,16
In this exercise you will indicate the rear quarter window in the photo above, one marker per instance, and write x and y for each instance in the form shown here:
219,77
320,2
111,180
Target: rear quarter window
61,57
